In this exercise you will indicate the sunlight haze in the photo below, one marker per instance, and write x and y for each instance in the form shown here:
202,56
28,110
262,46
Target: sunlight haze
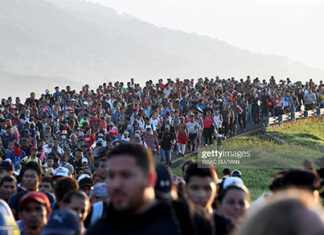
292,28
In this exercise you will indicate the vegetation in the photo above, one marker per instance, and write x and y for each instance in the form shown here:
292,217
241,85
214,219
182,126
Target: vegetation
303,141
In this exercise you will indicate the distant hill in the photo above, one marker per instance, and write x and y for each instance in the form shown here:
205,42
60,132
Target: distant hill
18,85
90,43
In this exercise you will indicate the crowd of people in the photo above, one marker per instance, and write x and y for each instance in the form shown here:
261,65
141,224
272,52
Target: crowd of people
99,161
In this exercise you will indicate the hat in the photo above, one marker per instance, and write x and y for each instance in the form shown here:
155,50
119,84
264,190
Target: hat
167,126
164,179
6,165
99,190
64,132
126,132
61,171
50,141
85,180
33,148
84,160
69,167
100,135
137,136
62,222
35,196
236,173
81,177
113,132
232,180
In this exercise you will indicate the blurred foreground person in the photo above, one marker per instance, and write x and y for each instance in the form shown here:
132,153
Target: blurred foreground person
63,222
7,221
292,212
201,190
233,202
35,208
77,202
131,179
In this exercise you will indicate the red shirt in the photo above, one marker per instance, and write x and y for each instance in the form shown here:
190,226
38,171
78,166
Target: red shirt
208,122
89,139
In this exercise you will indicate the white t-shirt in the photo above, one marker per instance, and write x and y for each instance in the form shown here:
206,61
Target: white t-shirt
168,91
192,127
155,122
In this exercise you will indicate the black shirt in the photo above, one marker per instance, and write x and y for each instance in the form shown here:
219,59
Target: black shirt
164,217
166,142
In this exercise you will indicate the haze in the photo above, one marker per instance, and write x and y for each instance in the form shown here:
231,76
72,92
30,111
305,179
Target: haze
292,28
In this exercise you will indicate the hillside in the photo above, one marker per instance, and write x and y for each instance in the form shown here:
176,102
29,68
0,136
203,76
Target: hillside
304,141
87,42
23,85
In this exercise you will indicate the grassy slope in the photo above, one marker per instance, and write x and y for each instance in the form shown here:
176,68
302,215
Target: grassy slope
305,141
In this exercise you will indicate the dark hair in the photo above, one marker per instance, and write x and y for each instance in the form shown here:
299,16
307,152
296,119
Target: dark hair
202,171
223,193
301,179
226,171
143,156
79,194
187,163
8,178
65,185
48,180
32,166
50,157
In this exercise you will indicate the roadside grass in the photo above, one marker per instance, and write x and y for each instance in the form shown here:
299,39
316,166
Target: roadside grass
303,142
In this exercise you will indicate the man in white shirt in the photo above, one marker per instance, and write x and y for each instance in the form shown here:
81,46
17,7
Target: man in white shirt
193,128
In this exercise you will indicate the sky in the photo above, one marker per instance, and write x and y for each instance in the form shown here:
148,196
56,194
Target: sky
292,28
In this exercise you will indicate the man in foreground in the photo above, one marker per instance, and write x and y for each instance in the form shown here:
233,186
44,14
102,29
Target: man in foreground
133,208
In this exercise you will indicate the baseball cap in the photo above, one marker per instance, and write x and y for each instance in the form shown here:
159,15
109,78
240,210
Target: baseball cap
164,179
62,222
236,173
84,180
35,196
126,132
50,141
100,135
137,136
84,160
232,180
83,176
113,132
6,165
69,167
99,190
61,171
167,126
33,148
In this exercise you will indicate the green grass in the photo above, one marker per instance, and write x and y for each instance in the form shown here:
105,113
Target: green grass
303,141
309,135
